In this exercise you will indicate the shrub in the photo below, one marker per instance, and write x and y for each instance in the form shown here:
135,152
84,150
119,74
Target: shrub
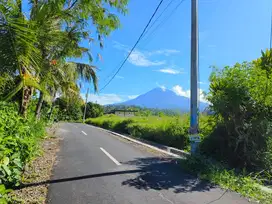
18,143
242,102
93,110
69,109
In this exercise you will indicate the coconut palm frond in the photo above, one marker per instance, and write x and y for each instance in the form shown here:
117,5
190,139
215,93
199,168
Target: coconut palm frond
14,91
87,72
17,42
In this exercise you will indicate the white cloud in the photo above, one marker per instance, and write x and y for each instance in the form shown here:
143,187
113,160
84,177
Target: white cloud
181,92
140,59
103,99
119,77
161,86
132,96
120,46
201,82
166,52
170,71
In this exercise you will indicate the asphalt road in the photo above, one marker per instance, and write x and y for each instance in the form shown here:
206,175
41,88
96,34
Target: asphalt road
96,167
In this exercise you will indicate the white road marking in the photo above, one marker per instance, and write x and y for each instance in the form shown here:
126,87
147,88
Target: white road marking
111,157
84,132
164,198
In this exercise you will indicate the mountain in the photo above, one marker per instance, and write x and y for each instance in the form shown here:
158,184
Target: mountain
163,99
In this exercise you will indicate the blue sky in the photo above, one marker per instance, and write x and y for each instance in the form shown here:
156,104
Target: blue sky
230,31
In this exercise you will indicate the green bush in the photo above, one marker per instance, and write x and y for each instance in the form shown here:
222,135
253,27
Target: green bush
69,109
241,98
18,143
93,110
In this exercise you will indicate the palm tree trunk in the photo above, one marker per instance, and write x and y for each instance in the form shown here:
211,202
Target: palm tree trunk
39,106
27,93
26,96
52,106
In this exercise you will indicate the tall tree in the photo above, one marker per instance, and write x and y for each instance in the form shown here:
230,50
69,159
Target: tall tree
33,47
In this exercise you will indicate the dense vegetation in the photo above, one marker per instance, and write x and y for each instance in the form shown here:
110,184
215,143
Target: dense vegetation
18,142
241,98
93,110
36,48
172,131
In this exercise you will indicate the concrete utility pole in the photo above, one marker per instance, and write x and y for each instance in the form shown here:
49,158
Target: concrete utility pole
84,115
194,110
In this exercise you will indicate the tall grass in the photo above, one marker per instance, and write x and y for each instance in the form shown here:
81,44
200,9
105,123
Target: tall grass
171,131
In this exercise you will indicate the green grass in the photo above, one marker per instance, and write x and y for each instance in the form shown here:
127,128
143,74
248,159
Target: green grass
216,173
171,131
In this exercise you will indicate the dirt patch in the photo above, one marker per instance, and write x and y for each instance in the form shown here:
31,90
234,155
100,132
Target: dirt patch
39,170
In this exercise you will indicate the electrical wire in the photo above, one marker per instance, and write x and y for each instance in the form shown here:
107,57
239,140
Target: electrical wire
154,13
162,22
148,29
170,2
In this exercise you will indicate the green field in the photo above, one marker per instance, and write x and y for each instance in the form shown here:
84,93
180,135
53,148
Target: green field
171,131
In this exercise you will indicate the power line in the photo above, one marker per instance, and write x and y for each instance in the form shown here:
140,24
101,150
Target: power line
163,21
148,29
170,2
133,46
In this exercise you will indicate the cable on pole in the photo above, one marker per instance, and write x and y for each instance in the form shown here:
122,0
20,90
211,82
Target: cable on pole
154,13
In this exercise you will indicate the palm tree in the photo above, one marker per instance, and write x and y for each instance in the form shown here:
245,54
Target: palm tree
32,48
56,45
18,53
63,80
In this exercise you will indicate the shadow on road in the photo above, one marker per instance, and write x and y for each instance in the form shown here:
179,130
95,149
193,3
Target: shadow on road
78,178
164,174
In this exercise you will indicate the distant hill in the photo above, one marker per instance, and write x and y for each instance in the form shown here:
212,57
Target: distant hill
163,99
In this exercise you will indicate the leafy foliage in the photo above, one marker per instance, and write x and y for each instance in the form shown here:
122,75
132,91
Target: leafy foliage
36,48
18,143
242,102
69,109
93,110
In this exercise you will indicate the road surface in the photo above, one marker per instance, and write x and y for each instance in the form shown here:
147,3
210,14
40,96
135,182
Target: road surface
95,167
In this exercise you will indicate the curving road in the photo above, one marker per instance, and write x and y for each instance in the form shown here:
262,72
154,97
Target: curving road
95,167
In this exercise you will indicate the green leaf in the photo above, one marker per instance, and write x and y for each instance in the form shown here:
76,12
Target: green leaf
5,161
7,170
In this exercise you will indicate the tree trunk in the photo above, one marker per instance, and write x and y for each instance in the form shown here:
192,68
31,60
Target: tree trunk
39,106
27,93
52,106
